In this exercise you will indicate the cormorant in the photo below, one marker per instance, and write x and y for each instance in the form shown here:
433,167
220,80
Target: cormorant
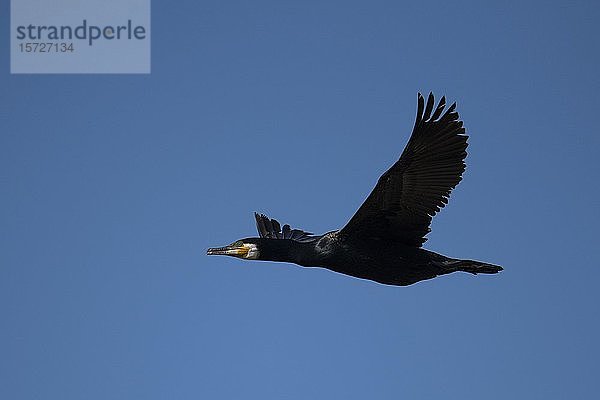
382,242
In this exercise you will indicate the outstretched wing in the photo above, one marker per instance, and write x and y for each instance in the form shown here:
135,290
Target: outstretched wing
418,185
270,229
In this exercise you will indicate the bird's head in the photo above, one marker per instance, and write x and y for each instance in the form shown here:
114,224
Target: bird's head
243,248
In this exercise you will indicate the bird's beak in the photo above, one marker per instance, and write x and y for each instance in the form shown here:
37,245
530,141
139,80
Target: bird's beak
230,250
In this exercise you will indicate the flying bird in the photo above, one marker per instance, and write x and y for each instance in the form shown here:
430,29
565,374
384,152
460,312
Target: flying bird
383,241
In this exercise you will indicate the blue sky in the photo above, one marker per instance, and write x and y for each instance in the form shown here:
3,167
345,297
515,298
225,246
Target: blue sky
113,186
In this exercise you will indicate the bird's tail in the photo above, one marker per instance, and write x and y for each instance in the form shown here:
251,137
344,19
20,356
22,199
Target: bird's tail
474,267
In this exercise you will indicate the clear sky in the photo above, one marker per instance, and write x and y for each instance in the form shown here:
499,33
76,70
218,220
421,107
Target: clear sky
113,186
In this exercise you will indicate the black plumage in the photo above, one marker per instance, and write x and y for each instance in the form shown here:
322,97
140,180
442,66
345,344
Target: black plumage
382,241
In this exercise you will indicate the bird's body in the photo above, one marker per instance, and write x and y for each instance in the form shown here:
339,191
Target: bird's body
389,263
382,242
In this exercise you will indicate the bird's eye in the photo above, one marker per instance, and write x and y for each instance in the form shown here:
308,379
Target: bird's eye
238,243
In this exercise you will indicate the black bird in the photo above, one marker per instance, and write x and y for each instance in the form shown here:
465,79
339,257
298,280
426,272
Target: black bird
382,242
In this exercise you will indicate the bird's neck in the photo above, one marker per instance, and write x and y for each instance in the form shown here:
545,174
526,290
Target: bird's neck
287,251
